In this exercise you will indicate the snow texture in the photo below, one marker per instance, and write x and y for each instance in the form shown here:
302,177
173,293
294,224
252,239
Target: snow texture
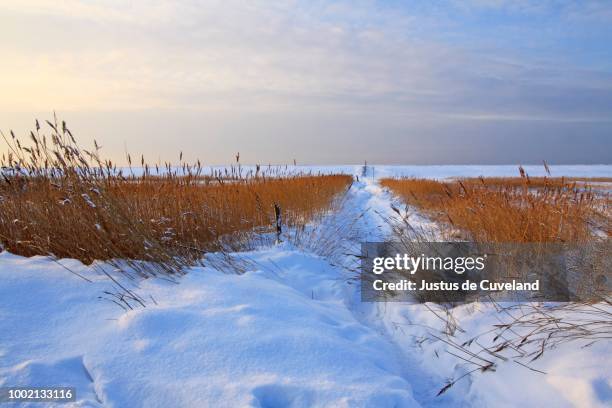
291,331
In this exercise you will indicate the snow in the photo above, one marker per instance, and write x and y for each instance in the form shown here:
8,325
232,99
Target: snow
291,331
575,376
455,171
376,171
216,339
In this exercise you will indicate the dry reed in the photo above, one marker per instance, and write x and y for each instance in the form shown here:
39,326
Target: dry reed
58,199
513,210
510,209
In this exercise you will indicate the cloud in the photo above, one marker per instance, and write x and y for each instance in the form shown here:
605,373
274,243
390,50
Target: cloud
418,59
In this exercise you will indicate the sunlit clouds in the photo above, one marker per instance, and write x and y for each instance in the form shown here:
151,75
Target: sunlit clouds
406,66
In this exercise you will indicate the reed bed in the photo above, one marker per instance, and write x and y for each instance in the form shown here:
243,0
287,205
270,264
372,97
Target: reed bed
516,210
61,200
540,182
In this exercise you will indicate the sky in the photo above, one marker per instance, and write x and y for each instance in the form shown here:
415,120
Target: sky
321,82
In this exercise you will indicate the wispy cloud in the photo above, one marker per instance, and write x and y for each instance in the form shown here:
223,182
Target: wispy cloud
209,54
480,59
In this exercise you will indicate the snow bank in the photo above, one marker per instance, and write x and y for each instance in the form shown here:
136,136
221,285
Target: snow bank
575,375
214,340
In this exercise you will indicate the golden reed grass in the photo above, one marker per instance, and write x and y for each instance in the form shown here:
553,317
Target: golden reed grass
520,209
540,182
58,199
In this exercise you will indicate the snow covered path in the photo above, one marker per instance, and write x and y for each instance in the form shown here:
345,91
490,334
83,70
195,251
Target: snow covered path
279,335
290,332
576,376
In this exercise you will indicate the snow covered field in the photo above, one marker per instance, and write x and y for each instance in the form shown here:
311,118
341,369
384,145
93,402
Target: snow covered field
291,331
421,171
447,171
